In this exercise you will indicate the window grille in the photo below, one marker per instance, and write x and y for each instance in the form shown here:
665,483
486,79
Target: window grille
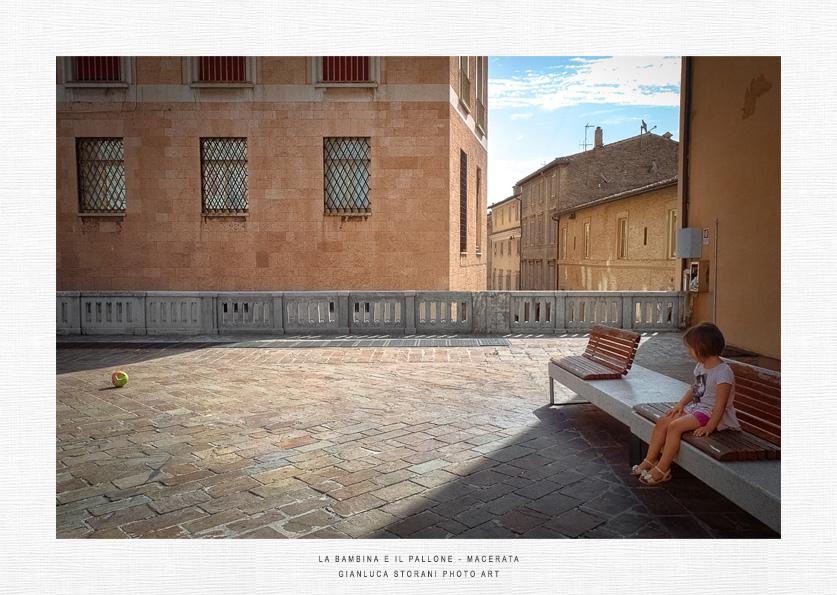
222,69
101,175
98,68
346,175
224,175
346,69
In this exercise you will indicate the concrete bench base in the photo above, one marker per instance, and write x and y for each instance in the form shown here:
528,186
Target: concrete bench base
755,486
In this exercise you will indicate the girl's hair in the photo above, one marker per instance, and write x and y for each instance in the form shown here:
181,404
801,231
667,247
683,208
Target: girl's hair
705,339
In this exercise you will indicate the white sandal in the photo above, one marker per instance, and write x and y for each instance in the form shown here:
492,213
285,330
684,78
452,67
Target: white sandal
637,471
648,479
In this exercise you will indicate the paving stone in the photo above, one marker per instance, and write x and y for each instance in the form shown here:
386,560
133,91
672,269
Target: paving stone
293,510
409,506
213,520
521,521
186,500
388,479
163,521
538,489
435,478
365,523
398,491
361,503
553,504
255,522
574,523
263,533
611,503
414,523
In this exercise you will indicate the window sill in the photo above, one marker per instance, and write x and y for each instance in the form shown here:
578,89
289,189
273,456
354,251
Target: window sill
465,107
207,85
120,215
236,215
96,85
370,85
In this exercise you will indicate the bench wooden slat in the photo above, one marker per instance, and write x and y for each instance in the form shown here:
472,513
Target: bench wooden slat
726,445
609,354
586,369
758,403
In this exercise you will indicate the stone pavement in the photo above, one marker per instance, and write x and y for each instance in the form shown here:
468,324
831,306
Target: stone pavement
247,437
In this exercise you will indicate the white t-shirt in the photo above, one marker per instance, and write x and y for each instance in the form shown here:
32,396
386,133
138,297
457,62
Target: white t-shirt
704,394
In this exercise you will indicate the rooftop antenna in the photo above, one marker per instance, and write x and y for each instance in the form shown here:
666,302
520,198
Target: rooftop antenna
586,126
643,129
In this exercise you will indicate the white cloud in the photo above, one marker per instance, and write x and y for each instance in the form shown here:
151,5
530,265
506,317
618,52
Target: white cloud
616,80
523,116
504,174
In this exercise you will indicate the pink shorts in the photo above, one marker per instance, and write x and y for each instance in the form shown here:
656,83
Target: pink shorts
701,417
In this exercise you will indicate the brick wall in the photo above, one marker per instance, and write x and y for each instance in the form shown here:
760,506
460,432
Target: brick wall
286,241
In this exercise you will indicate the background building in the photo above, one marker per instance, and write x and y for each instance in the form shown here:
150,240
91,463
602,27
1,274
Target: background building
622,242
730,184
271,173
504,259
592,251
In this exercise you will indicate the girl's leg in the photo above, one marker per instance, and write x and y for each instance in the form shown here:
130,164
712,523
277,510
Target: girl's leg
655,445
675,430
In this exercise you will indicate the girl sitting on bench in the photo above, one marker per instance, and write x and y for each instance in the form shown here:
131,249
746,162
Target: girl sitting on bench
706,407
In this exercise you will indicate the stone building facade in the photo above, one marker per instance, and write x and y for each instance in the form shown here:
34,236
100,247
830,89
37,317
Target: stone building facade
271,173
587,181
504,253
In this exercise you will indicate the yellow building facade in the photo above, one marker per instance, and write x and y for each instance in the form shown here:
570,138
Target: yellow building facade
731,188
620,243
504,262
271,173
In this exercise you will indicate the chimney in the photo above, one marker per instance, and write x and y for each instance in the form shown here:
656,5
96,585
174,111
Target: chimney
597,142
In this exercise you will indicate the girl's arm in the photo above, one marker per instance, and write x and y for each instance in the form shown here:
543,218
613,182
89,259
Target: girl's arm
677,410
721,397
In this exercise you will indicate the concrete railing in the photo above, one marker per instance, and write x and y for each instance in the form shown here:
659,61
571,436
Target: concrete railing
370,312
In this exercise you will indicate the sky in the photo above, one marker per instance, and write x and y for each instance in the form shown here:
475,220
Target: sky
538,108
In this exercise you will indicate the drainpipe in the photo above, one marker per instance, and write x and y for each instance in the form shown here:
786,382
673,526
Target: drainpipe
715,288
685,142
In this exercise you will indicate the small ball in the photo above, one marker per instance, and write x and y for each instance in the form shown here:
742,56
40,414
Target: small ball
119,378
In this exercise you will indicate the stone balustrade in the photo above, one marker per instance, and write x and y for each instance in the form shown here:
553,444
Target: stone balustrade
365,312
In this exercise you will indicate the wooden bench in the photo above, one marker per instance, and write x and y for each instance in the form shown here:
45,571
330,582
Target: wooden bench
609,354
758,408
754,485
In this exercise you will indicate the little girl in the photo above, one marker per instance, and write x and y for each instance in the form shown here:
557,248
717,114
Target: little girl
706,407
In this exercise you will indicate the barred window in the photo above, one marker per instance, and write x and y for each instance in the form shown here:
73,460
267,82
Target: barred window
101,175
346,175
224,175
222,69
346,69
98,68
